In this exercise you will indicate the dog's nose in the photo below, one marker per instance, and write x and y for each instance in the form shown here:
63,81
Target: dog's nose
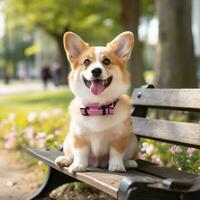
96,72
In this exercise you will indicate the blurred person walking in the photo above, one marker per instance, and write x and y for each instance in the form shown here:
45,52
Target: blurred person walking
45,75
56,73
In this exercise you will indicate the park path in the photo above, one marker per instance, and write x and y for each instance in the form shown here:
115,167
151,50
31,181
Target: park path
17,180
26,87
22,87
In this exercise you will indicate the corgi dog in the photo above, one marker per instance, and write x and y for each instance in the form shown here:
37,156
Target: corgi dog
100,132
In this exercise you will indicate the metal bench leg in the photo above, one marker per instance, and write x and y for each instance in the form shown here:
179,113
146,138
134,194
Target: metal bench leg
191,196
131,189
54,179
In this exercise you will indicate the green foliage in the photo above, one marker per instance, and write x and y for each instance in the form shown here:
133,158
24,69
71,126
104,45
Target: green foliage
38,119
44,129
164,154
187,159
17,47
14,44
148,7
56,17
23,104
182,158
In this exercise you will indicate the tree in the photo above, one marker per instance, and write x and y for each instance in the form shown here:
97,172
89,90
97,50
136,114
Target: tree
57,17
130,14
176,65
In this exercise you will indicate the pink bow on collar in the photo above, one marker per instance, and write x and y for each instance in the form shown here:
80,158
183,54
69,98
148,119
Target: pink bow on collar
107,109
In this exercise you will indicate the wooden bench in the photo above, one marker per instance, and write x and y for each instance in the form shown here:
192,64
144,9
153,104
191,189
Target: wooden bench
148,181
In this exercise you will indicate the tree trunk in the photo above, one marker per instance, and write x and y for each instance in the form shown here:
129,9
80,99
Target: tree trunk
176,64
65,67
6,52
130,15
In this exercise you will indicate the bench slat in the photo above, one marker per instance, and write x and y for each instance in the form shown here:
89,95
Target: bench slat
108,183
172,173
111,182
173,132
181,99
101,179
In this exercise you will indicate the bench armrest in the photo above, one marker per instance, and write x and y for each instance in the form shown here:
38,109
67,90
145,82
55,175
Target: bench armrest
177,184
128,184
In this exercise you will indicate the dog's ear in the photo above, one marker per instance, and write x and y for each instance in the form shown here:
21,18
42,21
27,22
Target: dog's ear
73,45
122,45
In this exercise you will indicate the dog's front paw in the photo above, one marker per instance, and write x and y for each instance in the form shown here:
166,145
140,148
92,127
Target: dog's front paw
63,161
130,164
77,168
116,166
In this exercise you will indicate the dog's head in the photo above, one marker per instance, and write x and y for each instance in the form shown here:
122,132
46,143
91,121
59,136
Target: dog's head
98,74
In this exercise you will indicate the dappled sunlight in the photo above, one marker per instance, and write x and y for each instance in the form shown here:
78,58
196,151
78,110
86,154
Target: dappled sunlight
35,92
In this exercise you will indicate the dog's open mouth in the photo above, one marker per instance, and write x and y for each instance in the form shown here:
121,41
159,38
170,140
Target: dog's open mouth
97,86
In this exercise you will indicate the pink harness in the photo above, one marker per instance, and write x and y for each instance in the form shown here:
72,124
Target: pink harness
107,109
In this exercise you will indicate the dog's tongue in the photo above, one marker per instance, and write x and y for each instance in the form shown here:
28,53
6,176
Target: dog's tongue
97,87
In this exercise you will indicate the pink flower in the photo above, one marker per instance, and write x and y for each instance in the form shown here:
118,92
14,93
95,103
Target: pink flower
191,151
41,136
3,123
141,156
57,132
29,131
41,139
148,148
156,159
11,117
57,111
12,134
44,115
175,149
32,117
144,146
40,162
10,139
9,144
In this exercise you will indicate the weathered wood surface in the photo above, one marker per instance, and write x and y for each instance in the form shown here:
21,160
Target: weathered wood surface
183,99
173,132
101,179
110,182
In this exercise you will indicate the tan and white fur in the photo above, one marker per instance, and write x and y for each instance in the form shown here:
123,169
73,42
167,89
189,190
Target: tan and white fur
103,140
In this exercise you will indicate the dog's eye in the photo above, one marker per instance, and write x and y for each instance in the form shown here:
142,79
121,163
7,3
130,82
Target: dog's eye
106,61
86,62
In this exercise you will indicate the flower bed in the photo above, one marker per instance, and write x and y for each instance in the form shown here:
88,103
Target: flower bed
48,129
182,158
42,129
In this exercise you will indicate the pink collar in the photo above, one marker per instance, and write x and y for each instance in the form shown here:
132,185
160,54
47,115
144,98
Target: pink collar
107,109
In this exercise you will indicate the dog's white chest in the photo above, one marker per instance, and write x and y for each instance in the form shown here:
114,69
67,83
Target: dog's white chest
98,147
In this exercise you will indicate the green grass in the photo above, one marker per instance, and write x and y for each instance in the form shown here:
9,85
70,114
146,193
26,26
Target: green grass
22,104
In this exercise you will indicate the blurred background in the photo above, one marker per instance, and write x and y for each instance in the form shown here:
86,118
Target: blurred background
33,68
167,38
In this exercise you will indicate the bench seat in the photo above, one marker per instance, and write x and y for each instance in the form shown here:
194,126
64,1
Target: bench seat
115,184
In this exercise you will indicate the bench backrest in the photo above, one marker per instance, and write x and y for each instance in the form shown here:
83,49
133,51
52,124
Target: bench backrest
187,134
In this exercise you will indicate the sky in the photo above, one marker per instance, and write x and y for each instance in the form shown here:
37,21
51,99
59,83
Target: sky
2,25
2,21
